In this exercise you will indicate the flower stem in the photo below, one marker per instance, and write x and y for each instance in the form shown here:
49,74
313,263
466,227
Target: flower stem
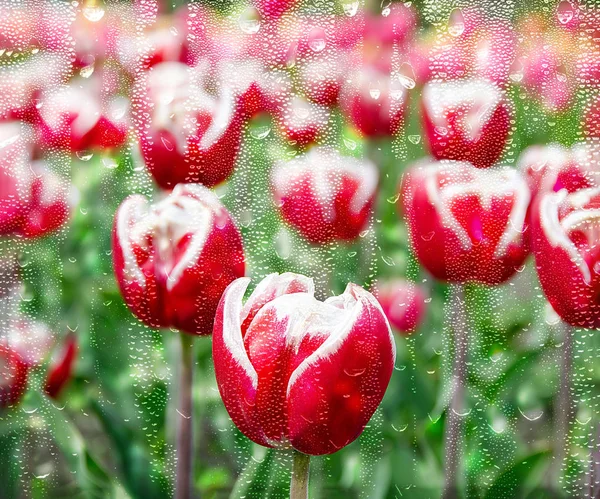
563,410
300,469
454,421
184,429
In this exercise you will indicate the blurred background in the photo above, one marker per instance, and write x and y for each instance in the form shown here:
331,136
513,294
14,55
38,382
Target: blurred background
94,411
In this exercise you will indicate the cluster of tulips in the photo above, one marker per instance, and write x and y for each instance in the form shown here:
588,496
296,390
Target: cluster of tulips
293,371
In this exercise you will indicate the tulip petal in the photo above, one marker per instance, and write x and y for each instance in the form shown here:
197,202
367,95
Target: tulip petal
271,287
236,377
334,392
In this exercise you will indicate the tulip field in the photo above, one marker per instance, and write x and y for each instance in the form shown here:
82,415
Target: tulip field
299,248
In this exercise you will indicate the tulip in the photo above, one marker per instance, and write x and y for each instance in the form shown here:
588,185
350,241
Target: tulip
467,224
375,102
565,243
294,372
466,120
552,167
13,377
41,209
21,85
173,259
403,303
33,200
303,122
75,118
322,80
186,135
61,367
25,348
325,196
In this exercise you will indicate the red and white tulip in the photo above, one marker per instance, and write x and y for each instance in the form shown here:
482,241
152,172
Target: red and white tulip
375,101
325,196
466,120
187,135
173,259
302,121
75,118
566,243
33,200
467,224
295,372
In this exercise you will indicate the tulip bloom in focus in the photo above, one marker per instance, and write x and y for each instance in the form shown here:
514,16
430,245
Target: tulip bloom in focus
467,224
187,135
566,247
327,197
173,259
403,303
300,373
465,120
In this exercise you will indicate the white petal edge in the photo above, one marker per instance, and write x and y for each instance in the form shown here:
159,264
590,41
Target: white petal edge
232,326
337,338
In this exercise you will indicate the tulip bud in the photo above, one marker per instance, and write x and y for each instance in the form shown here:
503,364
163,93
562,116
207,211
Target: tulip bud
322,80
326,196
76,119
187,135
302,121
13,377
33,200
296,372
467,224
466,120
403,303
61,366
565,242
552,168
173,259
375,102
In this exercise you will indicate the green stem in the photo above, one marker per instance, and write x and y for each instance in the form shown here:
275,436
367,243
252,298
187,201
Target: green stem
563,410
184,428
300,470
454,421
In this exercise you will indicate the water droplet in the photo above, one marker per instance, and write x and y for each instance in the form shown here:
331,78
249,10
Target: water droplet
93,11
350,8
316,39
385,7
84,156
406,75
249,21
167,143
109,163
350,144
260,132
456,23
87,71
374,90
415,139
564,12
